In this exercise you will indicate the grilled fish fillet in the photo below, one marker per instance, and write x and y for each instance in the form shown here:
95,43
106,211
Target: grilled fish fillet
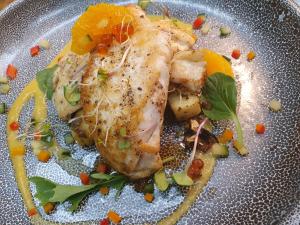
132,98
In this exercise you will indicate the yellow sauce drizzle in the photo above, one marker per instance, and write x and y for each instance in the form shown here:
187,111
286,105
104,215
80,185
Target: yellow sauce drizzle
17,147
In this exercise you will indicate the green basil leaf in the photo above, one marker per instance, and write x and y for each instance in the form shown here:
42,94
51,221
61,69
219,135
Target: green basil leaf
220,91
77,198
45,81
63,192
123,144
44,189
48,191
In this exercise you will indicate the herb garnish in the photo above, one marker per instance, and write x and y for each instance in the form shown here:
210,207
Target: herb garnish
48,191
123,132
123,144
72,94
45,81
102,75
220,92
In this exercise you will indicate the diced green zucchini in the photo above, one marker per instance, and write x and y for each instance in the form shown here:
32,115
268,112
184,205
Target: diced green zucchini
219,150
3,108
4,88
63,153
202,16
149,188
48,139
69,139
72,94
182,179
161,181
241,149
3,80
224,31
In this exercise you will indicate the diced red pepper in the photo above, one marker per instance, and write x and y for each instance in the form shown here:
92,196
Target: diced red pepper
104,222
236,53
260,128
198,23
85,179
31,212
11,71
34,51
14,126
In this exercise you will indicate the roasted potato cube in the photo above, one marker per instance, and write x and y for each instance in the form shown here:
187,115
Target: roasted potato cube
185,106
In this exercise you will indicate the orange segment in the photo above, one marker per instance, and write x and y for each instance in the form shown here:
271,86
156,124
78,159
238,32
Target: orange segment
216,63
96,21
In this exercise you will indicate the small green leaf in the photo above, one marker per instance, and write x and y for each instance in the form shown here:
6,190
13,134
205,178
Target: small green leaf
101,176
48,191
161,181
63,192
45,81
77,198
220,92
44,189
119,187
123,144
72,94
123,132
183,179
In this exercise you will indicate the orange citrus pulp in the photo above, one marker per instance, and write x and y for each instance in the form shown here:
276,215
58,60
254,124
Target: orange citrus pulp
98,20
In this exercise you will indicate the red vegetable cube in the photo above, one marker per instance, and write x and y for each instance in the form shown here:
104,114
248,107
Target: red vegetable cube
14,126
104,222
85,179
34,51
260,128
198,23
11,71
236,53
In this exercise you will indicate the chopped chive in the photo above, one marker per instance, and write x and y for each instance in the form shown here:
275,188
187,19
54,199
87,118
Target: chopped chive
123,144
123,132
4,88
69,139
3,108
102,75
